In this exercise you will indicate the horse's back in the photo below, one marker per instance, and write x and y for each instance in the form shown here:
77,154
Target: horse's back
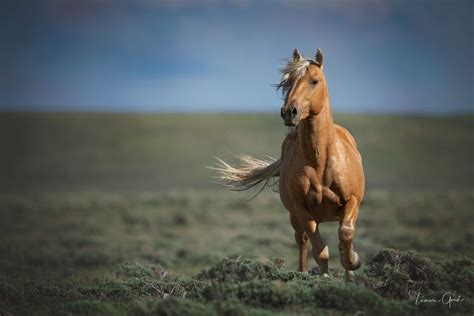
345,135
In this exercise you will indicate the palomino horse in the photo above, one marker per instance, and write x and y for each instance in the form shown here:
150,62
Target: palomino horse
320,170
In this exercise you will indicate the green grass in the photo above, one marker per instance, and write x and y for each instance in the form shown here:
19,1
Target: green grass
144,152
108,213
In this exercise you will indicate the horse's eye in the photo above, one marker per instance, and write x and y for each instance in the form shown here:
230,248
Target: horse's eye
314,82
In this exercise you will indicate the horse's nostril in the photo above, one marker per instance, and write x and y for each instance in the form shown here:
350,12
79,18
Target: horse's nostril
293,112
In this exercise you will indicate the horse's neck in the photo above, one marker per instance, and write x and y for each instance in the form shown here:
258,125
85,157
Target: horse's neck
317,137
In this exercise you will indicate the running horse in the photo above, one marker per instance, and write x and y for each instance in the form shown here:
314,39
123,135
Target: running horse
320,172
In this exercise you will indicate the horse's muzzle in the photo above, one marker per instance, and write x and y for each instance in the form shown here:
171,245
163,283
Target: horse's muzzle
289,116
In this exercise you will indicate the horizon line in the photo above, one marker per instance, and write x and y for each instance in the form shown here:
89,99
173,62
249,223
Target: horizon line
226,112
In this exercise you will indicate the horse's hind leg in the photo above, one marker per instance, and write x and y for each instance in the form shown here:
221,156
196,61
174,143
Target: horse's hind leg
302,241
349,258
320,249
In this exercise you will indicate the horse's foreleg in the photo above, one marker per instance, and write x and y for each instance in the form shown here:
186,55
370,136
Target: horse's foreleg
349,258
302,241
321,253
320,249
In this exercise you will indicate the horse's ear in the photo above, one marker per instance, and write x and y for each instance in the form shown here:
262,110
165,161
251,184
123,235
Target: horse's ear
319,57
296,55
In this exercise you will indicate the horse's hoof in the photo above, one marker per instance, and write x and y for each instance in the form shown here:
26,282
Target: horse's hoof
356,265
349,276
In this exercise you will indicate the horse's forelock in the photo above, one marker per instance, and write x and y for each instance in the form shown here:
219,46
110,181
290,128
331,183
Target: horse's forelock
291,72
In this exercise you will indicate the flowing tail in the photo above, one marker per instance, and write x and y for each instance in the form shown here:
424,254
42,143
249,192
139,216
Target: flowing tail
248,173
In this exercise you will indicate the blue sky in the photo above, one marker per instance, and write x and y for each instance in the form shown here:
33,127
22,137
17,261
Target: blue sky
210,55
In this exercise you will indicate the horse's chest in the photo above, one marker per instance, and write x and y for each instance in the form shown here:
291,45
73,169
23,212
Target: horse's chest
295,175
305,186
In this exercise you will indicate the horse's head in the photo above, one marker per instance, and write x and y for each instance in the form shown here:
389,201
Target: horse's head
304,88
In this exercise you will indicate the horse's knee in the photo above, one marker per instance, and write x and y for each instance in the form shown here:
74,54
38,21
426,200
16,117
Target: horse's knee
346,233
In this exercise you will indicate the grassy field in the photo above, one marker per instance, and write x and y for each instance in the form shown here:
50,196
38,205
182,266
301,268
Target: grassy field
116,214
